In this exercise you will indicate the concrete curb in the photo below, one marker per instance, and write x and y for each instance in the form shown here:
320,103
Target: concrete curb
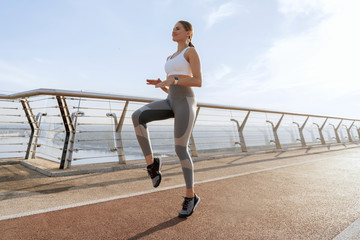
53,170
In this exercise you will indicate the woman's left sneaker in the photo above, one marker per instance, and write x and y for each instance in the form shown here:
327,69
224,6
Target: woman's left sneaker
154,172
189,206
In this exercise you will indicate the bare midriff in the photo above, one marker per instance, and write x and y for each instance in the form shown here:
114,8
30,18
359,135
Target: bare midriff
180,76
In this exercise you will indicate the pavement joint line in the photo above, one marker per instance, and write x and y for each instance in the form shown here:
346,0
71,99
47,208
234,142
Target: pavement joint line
24,214
351,232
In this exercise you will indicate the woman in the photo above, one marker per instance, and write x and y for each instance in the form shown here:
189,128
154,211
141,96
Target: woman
183,72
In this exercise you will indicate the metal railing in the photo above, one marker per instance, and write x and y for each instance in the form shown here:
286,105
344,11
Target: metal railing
75,127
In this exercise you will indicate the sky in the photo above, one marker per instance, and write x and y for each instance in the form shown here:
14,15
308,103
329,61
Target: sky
298,56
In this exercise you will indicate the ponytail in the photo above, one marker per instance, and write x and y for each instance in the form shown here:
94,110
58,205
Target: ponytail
188,27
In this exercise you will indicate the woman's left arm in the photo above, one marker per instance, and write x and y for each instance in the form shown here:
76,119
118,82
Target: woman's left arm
195,81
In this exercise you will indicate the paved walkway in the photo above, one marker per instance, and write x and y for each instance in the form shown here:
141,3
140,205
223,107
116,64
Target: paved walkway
303,194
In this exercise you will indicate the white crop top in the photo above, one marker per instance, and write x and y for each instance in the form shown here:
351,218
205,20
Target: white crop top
178,65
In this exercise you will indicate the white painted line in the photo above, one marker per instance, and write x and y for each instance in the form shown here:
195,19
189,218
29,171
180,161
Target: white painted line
147,192
87,203
351,232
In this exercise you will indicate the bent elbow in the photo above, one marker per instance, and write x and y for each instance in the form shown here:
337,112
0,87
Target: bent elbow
199,82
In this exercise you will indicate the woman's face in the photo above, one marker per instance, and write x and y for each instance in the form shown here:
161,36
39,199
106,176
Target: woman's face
179,33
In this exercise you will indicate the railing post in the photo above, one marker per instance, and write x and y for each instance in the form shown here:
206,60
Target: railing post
336,131
240,131
192,140
348,131
70,150
34,123
358,132
275,128
302,139
34,144
320,131
117,133
69,129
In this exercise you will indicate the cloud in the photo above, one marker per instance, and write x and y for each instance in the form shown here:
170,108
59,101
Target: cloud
322,57
223,11
214,76
309,70
288,7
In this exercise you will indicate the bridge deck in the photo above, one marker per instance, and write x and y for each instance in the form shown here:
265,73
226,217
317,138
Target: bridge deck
302,194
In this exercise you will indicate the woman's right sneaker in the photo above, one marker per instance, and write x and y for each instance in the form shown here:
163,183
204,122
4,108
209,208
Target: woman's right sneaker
154,172
189,206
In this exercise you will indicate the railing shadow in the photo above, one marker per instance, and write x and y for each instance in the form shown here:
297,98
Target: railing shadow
168,224
68,183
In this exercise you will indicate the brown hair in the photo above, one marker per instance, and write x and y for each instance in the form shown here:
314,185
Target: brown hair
188,27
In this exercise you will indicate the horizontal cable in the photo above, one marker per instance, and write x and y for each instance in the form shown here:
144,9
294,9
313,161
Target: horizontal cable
212,120
97,124
213,142
76,159
89,116
12,143
9,108
12,136
107,109
214,131
47,155
52,115
13,152
34,108
93,140
163,144
12,115
12,122
87,149
216,136
129,139
214,115
92,131
49,130
15,129
212,126
51,138
41,99
55,124
93,100
42,144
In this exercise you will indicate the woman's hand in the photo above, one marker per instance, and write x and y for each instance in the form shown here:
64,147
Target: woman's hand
156,83
153,82
165,83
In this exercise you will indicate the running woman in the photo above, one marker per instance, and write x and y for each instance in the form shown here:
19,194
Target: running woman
183,71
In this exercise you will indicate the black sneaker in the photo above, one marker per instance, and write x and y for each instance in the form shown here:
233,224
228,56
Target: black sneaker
154,172
189,206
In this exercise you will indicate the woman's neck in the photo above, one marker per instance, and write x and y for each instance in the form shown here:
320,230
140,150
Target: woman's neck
182,46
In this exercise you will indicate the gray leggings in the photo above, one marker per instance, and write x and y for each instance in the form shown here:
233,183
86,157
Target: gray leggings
180,105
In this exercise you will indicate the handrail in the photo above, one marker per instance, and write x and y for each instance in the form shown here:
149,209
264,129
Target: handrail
71,93
205,140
